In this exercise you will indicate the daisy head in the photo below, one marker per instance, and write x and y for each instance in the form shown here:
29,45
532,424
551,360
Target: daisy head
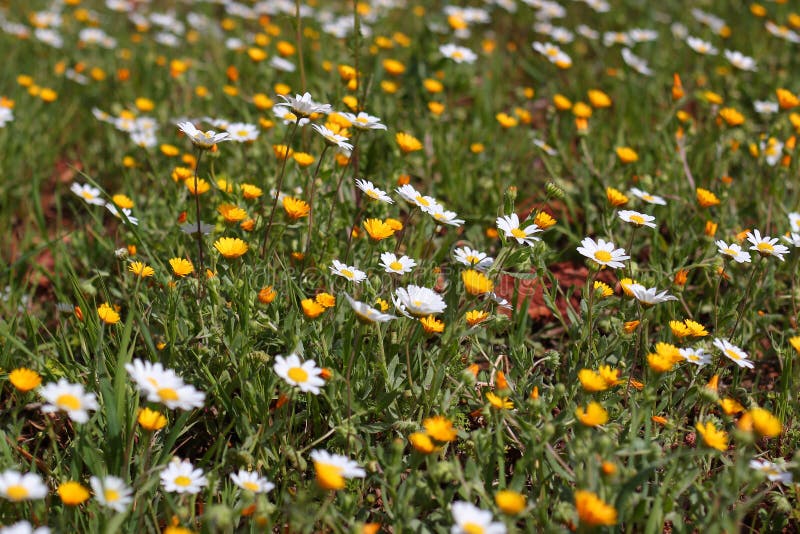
332,469
733,353
469,519
182,477
373,192
603,253
303,374
397,265
69,398
251,481
510,226
347,271
637,219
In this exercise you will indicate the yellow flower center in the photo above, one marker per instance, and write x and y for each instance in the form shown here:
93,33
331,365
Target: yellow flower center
111,495
348,273
649,198
637,219
182,481
396,266
362,120
167,394
765,247
243,133
472,528
87,195
602,255
732,354
420,200
516,232
458,55
68,402
730,251
252,486
473,259
17,492
298,374
372,194
417,303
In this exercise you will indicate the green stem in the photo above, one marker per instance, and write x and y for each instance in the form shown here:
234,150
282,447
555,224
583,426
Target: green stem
290,138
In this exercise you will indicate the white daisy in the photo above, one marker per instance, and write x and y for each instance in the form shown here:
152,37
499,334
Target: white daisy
550,151
732,352
16,486
772,149
251,481
459,54
766,245
392,264
366,313
418,301
793,239
637,219
23,527
794,221
91,195
303,106
70,398
765,107
288,117
649,296
164,386
734,250
331,138
635,62
773,471
373,192
242,131
603,253
701,47
473,258
469,519
740,61
346,467
364,121
305,375
443,216
510,225
647,197
347,271
412,196
200,138
695,356
112,492
181,477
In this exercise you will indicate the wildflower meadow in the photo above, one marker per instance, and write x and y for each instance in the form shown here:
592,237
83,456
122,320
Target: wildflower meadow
399,266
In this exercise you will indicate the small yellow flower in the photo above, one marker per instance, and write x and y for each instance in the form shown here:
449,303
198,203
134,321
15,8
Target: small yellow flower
766,424
107,314
181,267
712,437
476,148
474,317
422,443
377,229
603,289
282,152
505,120
627,154
599,99
710,229
303,159
407,143
476,283
122,201
329,477
608,468
24,379
544,220
695,329
202,186
593,415
615,197
592,380
679,329
561,102
582,110
141,269
170,151
151,419
706,198
593,511
630,326
432,325
72,493
440,428
326,300
181,174
231,247
232,213
730,406
795,342
659,420
713,98
432,86
731,116
250,191
786,99
267,295
295,208
311,308
393,67
499,403
510,502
